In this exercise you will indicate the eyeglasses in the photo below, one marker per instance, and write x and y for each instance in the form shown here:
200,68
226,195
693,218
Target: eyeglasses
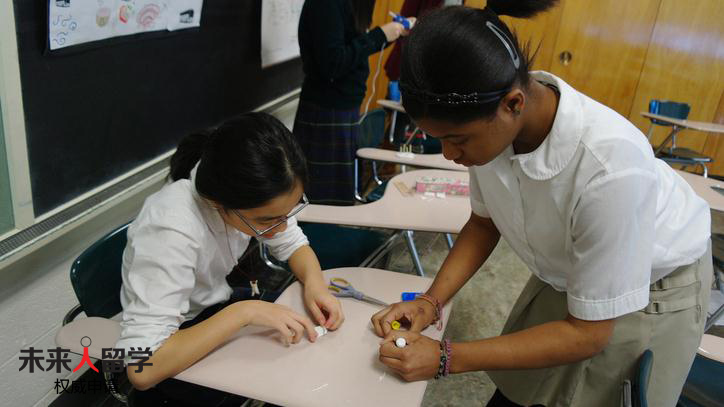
298,208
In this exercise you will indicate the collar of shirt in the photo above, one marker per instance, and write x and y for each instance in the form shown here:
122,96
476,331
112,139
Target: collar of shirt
558,148
212,217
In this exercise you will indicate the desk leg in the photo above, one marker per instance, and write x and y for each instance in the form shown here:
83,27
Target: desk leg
671,135
448,239
392,126
357,195
713,318
374,173
413,253
385,247
265,256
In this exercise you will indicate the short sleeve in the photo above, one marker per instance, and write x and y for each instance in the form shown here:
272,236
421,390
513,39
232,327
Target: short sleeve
285,243
613,240
158,278
476,197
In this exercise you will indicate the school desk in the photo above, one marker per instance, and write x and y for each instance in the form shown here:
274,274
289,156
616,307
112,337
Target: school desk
436,161
396,107
711,190
681,124
402,213
340,369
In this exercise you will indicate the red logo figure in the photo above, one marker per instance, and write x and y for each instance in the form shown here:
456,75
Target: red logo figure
86,356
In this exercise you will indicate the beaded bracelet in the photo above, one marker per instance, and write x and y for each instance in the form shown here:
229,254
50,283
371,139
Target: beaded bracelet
445,357
438,308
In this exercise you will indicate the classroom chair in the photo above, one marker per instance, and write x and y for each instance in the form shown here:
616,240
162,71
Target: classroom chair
704,386
634,391
673,154
340,246
96,279
372,128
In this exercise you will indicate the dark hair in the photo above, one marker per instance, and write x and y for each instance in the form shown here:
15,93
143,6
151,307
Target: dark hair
243,163
362,13
458,62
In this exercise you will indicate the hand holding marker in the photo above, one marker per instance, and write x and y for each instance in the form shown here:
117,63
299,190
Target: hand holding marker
407,23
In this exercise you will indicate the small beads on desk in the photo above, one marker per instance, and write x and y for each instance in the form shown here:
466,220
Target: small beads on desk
400,342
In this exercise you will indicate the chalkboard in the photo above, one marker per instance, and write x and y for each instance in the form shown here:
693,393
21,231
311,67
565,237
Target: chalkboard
94,112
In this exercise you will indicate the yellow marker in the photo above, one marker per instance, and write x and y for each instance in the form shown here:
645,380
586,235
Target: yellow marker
395,325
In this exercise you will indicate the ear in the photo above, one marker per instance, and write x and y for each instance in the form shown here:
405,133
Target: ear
513,103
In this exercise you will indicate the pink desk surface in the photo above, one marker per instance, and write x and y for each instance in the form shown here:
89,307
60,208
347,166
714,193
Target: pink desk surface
418,160
703,187
398,212
340,369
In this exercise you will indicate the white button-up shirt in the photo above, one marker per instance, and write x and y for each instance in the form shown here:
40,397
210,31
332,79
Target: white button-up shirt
175,264
591,211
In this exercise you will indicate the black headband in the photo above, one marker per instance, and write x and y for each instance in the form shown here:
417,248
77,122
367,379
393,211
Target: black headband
454,98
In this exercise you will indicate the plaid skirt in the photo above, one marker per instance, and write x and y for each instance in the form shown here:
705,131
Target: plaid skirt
328,138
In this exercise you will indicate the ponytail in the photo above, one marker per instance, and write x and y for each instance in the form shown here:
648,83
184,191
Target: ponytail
187,154
520,8
243,163
459,62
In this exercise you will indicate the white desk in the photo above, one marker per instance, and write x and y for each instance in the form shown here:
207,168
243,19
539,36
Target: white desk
686,124
340,369
403,213
419,160
396,107
679,155
703,187
395,211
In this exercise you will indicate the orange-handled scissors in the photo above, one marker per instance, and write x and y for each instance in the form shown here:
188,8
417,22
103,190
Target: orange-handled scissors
342,288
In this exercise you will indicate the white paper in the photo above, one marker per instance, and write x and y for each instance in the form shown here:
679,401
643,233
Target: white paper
279,25
72,22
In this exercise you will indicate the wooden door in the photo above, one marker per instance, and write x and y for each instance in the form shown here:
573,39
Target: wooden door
685,63
606,42
538,35
377,61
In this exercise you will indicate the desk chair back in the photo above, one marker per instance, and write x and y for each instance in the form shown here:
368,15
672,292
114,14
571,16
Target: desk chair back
372,129
339,246
96,275
641,380
668,108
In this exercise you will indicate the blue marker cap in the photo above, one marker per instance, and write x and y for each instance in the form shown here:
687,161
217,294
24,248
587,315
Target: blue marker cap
409,296
402,20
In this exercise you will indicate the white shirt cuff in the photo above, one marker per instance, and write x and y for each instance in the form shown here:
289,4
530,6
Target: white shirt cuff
598,310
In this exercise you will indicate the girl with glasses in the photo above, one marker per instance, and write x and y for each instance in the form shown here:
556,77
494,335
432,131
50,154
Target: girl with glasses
244,179
617,243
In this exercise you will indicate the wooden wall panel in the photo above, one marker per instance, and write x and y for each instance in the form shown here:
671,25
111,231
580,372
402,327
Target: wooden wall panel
714,146
608,40
685,63
540,33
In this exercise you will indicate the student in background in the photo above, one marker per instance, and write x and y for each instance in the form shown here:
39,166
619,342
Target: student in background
617,242
335,43
244,179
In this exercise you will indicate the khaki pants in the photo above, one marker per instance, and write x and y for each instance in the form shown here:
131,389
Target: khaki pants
671,326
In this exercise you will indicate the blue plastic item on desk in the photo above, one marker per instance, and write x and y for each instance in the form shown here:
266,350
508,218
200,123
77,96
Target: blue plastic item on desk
409,296
393,91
